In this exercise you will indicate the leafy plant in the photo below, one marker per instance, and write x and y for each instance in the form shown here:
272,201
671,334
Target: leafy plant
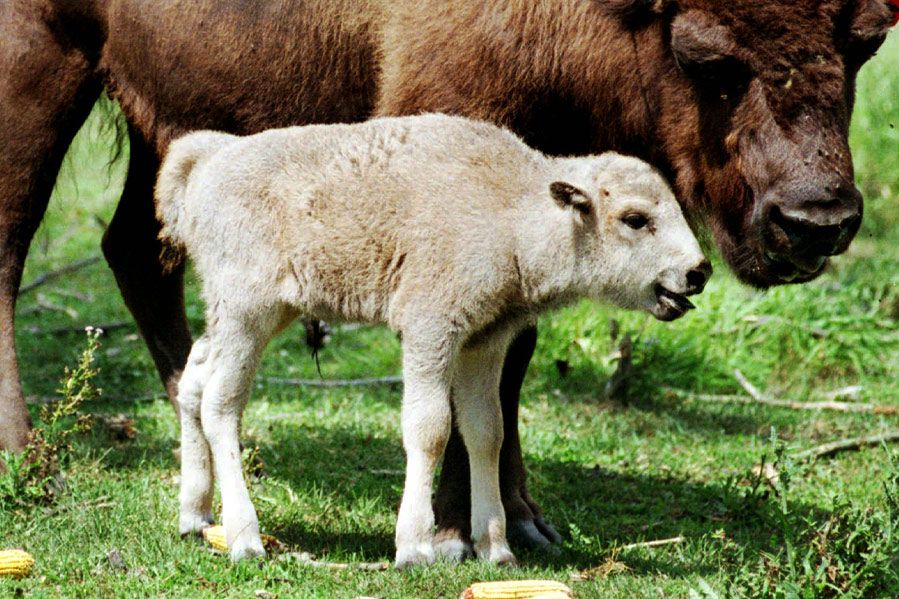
33,476
852,552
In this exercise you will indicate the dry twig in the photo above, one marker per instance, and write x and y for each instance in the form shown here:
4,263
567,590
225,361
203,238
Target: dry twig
853,444
53,274
98,503
751,389
381,380
838,406
309,560
657,543
109,326
758,397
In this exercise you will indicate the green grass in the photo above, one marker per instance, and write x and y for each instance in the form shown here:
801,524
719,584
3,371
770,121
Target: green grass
608,473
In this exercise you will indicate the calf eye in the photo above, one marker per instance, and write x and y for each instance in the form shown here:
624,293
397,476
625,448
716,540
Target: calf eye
635,220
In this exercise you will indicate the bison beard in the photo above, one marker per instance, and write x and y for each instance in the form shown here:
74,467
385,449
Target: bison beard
744,105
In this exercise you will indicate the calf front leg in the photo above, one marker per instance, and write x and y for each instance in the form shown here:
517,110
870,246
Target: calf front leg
526,527
426,422
478,414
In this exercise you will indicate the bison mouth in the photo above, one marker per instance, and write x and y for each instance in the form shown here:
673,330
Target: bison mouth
670,305
787,271
763,268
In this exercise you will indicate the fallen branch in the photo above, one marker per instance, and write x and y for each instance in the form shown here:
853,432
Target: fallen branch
48,399
44,305
758,397
753,392
53,274
98,503
838,406
851,393
658,543
309,560
845,445
110,326
381,380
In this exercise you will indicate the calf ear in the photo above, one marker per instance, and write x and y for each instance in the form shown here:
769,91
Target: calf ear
567,195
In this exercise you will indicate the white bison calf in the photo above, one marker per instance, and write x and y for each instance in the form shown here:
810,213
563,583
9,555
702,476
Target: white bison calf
453,232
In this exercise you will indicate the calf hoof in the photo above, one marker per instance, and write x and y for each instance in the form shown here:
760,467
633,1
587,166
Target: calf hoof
247,546
193,524
525,534
414,555
503,557
495,553
453,550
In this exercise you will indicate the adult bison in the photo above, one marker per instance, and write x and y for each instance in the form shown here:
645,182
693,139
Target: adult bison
744,105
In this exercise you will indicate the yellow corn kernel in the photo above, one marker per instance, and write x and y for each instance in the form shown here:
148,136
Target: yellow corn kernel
15,562
517,589
215,536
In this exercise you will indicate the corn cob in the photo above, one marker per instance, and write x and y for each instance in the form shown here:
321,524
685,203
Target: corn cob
15,562
517,589
215,536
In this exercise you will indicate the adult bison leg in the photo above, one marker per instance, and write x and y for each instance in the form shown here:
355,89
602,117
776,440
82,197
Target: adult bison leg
526,526
154,297
452,505
46,92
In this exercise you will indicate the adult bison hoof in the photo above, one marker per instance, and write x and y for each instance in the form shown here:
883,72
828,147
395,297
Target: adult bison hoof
527,534
453,549
414,555
547,530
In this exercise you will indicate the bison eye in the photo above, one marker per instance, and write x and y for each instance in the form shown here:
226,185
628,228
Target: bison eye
635,220
727,76
708,53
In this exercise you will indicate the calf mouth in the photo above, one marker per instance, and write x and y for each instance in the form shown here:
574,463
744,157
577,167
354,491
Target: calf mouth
670,305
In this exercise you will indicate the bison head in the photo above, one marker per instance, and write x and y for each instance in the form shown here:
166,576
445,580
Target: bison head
752,108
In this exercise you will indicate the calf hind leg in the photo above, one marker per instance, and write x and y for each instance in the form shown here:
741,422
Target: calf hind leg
196,458
234,358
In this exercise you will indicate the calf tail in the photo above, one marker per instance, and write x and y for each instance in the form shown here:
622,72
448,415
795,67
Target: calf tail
184,155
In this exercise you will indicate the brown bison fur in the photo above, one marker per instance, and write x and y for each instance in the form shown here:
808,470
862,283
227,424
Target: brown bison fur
743,104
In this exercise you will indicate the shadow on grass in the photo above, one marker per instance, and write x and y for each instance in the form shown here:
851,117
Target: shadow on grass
348,485
657,367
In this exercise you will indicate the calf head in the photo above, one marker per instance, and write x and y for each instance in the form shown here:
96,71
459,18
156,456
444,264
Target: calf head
753,107
632,243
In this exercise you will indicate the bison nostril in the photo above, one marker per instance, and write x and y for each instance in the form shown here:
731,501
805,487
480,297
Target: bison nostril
817,231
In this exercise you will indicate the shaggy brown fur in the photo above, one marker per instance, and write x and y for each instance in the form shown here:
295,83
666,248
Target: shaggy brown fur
744,104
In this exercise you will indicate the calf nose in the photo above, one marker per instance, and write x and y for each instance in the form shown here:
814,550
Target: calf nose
698,277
